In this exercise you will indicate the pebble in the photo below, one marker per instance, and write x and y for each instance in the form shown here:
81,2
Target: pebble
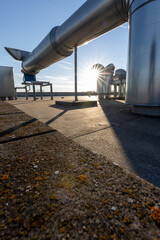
130,200
12,136
21,188
56,172
113,208
35,166
115,163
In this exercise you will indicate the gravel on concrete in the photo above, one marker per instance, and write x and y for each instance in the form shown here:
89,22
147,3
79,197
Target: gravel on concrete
53,188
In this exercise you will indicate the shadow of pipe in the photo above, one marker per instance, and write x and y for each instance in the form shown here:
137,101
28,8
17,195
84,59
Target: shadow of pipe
139,137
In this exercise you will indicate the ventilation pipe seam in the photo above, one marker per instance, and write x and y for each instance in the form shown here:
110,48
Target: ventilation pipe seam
131,3
33,72
54,44
122,17
143,4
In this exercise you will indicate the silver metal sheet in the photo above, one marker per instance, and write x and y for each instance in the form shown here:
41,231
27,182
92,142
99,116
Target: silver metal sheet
143,81
96,17
91,20
6,82
17,54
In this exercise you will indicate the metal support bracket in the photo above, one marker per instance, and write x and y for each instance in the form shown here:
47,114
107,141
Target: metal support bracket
75,71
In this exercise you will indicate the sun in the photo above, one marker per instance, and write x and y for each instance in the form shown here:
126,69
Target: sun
89,77
92,74
89,73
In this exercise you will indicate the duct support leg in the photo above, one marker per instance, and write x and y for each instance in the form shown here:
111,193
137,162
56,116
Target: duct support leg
75,72
124,90
41,92
51,91
34,92
15,94
121,90
26,93
115,90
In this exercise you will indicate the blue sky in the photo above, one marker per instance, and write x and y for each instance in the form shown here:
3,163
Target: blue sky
23,24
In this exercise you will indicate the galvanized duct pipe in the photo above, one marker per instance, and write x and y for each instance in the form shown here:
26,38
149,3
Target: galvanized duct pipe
92,19
104,79
143,81
108,78
96,17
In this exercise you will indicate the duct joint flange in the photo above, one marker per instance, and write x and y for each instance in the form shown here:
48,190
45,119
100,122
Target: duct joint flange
56,46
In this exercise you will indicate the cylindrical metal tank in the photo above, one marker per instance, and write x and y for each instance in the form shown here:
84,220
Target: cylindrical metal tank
143,81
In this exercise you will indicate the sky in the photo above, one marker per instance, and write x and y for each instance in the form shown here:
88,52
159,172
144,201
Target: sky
24,24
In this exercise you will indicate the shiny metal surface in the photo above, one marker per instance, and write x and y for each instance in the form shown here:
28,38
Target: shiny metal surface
104,78
120,74
108,78
6,82
42,56
96,17
91,20
143,81
17,54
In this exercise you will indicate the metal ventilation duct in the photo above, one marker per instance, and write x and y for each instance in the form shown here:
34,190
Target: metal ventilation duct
91,20
96,17
104,78
143,81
